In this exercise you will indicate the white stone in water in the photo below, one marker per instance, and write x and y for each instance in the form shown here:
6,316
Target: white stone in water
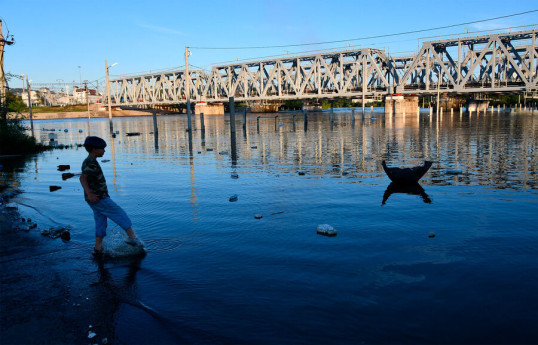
326,230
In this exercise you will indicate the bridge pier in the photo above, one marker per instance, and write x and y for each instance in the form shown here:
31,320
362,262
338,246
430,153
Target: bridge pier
477,105
264,107
209,108
398,104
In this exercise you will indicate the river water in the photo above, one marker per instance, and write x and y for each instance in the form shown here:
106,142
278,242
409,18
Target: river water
215,274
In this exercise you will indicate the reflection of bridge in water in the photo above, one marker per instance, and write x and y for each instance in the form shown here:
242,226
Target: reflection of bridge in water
504,61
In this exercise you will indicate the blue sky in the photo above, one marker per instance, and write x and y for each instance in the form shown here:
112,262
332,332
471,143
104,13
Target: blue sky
54,37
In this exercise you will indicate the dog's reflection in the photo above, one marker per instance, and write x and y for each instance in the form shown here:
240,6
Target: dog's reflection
412,189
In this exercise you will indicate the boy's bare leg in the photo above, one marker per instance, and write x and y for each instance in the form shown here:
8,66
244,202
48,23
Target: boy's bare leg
130,233
98,243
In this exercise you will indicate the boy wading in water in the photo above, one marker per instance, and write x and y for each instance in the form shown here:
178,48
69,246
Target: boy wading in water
96,195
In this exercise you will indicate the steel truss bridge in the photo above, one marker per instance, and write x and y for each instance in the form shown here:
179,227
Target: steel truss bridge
501,62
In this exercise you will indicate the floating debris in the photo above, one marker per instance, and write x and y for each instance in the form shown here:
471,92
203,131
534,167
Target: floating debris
91,335
223,152
66,176
454,172
234,175
105,160
12,206
57,231
254,147
132,134
301,173
326,230
258,216
65,130
80,130
54,188
209,150
233,198
199,152
63,167
431,235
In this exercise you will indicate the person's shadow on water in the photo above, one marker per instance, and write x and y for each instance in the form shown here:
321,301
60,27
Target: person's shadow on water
411,189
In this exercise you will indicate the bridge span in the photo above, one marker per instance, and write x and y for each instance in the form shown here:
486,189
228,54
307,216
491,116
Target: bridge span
504,61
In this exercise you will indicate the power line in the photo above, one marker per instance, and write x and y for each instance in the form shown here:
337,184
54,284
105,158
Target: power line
370,37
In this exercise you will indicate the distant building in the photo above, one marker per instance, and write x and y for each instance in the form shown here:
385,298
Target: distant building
79,96
35,98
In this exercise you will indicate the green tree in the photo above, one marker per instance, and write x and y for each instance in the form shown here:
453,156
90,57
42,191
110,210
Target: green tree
15,104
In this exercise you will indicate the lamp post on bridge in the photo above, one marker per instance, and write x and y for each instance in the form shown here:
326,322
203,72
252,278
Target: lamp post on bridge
109,99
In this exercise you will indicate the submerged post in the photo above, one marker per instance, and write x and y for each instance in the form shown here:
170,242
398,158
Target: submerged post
332,116
232,114
155,130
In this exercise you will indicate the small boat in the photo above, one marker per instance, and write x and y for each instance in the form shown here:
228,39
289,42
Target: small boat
132,134
406,175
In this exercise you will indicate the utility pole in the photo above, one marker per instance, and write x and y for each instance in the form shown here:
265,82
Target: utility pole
109,100
187,89
87,99
2,78
30,105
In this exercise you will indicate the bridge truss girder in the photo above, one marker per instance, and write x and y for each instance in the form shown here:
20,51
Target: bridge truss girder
157,88
328,75
502,62
490,63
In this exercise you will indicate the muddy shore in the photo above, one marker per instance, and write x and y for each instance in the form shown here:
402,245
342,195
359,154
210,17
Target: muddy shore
51,290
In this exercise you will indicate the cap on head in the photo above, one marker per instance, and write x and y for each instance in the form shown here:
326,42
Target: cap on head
94,142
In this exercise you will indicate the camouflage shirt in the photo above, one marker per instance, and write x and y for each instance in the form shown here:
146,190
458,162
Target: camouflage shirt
96,179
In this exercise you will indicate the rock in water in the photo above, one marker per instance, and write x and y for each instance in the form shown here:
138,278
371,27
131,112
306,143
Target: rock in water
66,176
57,231
54,188
326,230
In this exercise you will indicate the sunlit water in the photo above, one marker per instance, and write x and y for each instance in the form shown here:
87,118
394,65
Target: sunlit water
215,274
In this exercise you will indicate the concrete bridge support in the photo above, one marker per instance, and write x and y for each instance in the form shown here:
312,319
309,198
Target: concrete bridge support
264,106
209,108
477,105
399,104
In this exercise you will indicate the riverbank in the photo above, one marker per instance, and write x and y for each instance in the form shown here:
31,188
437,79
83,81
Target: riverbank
48,287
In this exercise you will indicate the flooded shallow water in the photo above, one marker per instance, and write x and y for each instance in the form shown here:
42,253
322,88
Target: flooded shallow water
215,274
